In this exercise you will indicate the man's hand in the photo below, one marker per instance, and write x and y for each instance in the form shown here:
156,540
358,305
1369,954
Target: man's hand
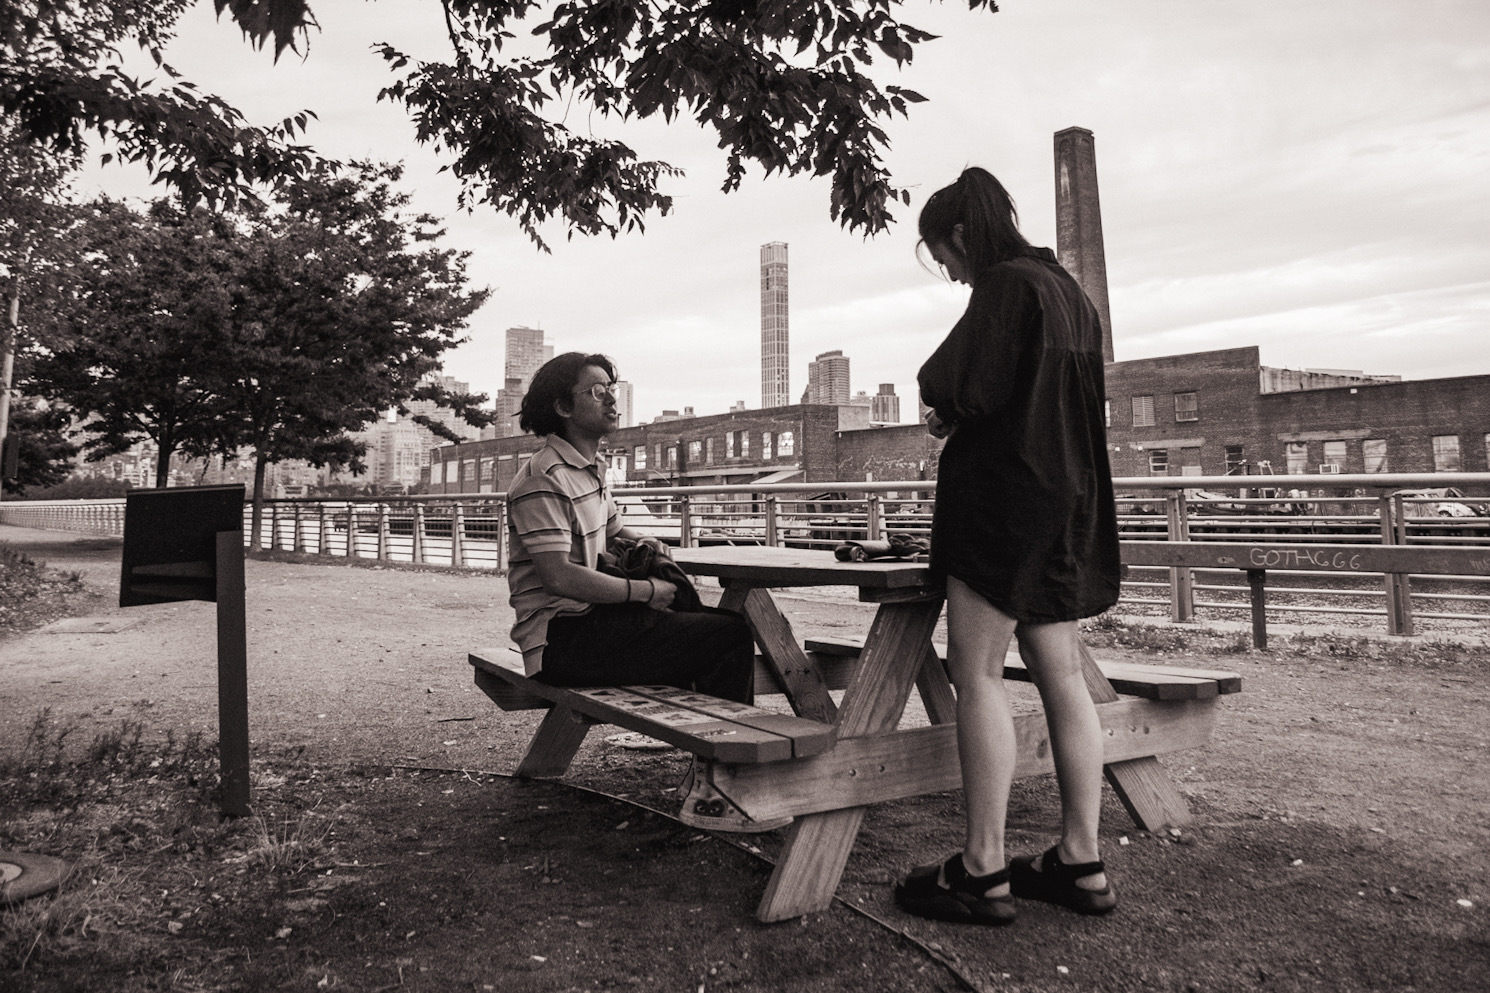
663,593
937,427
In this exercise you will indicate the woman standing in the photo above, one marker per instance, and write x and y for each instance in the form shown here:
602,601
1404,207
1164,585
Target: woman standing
1025,538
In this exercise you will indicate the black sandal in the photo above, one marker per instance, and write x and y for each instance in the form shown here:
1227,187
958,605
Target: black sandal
962,900
1055,882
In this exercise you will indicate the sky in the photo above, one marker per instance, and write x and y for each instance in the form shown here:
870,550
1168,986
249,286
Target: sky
1308,176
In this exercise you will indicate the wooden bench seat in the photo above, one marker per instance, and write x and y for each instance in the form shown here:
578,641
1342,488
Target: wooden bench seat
709,727
838,655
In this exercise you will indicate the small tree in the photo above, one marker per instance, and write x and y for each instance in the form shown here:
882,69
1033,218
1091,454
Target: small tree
133,347
343,306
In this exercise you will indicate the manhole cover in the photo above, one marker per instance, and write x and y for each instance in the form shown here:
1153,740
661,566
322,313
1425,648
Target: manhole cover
91,625
23,875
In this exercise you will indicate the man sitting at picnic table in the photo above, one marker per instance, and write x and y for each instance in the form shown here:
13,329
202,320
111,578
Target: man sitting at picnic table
576,625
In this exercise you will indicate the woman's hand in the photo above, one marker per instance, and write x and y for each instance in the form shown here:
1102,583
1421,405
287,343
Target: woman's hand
937,427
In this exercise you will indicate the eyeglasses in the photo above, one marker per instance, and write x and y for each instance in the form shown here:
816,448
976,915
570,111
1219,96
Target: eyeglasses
599,391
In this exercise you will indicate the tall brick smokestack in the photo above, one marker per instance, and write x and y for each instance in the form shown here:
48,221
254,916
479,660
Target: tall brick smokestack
1078,222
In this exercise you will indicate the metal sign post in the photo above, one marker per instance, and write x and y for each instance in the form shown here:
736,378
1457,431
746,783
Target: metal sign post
186,543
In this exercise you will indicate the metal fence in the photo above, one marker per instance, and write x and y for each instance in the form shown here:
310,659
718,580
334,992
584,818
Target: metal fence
470,531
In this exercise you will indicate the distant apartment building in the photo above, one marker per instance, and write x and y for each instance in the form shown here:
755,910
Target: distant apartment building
625,403
526,353
828,379
775,343
884,406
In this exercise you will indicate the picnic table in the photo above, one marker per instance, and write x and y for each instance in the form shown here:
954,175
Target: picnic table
872,759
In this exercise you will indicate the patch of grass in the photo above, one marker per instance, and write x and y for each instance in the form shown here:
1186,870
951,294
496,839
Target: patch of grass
291,844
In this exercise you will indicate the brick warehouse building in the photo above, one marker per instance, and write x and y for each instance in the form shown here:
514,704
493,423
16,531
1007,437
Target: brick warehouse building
1201,413
1220,412
796,443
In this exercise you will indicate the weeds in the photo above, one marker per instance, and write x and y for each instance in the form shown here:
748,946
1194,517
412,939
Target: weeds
42,748
292,844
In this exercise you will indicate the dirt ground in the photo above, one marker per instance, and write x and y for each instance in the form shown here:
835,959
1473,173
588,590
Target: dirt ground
1341,841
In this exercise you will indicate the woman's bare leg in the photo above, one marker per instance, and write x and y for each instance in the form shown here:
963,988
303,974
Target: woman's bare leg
977,640
1052,654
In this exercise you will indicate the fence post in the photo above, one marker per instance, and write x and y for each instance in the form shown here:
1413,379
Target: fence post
457,535
351,548
382,531
874,517
685,522
1398,588
416,550
501,564
772,538
297,537
274,526
1181,581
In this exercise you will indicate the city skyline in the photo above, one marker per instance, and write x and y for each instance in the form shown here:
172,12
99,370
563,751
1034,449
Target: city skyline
1308,179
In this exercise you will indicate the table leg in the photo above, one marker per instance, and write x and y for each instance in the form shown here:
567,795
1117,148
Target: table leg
1145,789
799,676
818,845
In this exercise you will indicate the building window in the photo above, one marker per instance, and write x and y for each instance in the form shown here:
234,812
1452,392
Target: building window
1185,407
1143,412
1334,454
467,473
784,443
766,446
744,444
486,467
695,452
1297,453
708,451
1159,462
1374,454
672,456
1235,463
732,444
639,456
657,455
1446,453
1107,412
437,471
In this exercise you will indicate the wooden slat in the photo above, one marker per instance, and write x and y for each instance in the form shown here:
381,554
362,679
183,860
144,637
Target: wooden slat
507,696
703,734
807,737
905,763
777,567
875,700
1422,559
1129,679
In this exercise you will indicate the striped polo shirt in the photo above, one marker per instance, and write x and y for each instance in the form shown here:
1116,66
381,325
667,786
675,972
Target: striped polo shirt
557,503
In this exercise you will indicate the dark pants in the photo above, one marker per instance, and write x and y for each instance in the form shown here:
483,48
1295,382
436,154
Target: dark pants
625,644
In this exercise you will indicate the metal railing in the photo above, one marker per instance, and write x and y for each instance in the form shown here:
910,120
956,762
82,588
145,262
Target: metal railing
470,530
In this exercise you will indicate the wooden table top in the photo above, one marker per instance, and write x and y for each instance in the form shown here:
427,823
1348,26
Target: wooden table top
760,565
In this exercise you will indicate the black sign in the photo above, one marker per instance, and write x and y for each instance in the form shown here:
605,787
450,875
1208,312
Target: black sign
170,542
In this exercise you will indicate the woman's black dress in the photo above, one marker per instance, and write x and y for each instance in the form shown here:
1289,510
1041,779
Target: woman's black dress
1024,509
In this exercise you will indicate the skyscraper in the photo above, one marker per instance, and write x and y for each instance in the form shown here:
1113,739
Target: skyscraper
624,404
827,379
775,350
885,405
526,354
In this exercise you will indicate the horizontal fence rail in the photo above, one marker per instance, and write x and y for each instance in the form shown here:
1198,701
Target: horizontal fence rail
1303,512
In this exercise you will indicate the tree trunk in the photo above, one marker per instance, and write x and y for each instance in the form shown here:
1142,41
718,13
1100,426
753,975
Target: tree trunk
8,339
257,521
163,468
